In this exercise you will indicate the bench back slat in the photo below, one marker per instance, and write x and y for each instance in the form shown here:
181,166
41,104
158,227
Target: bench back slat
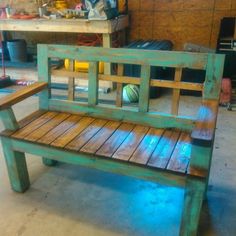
212,63
144,88
93,84
130,56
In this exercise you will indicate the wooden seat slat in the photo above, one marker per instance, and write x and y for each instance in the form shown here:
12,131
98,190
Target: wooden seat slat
180,158
147,146
164,149
130,144
112,144
79,141
59,129
100,138
72,132
34,125
42,130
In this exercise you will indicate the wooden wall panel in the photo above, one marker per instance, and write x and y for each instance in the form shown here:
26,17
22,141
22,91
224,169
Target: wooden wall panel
195,21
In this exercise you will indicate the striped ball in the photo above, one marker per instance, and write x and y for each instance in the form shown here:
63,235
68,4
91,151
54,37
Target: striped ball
131,93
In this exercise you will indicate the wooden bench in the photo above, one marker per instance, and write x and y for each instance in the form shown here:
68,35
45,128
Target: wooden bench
165,148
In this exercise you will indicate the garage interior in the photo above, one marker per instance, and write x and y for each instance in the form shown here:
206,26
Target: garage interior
75,200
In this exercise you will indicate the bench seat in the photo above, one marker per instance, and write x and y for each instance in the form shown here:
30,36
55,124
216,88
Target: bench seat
166,149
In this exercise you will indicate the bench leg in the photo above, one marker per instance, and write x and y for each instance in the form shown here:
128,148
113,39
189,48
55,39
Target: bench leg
49,162
16,166
194,194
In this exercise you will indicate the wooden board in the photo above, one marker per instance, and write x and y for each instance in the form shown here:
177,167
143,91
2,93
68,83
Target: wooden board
98,139
47,127
71,133
66,26
21,94
180,158
86,135
31,127
130,144
163,151
111,145
147,146
59,130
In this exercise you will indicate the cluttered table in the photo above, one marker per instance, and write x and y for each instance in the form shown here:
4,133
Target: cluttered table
66,25
104,27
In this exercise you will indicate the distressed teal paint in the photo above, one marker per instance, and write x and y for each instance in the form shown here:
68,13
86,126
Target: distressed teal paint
200,155
130,56
144,88
155,119
214,73
44,75
93,84
16,166
104,164
49,162
193,198
9,119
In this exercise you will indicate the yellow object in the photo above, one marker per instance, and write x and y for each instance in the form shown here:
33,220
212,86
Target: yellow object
60,5
81,66
122,6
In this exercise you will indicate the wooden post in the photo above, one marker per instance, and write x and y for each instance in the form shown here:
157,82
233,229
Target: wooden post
144,88
16,166
93,84
119,87
71,82
44,75
176,93
193,198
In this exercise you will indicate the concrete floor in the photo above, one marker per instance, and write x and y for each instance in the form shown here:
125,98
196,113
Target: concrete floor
71,200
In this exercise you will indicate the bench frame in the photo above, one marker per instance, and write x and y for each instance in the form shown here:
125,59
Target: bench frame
202,128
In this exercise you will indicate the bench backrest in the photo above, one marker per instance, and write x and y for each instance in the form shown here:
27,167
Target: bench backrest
212,63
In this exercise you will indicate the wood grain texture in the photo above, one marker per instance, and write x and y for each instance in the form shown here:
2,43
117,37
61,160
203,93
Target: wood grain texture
130,144
25,121
71,82
21,94
47,127
99,138
119,86
144,88
137,57
132,80
147,146
111,145
71,133
93,84
181,156
86,135
59,130
34,125
163,151
176,93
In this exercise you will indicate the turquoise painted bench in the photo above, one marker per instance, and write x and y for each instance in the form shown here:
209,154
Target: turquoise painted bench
165,148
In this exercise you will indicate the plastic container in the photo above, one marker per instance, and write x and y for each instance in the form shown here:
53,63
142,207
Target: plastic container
17,50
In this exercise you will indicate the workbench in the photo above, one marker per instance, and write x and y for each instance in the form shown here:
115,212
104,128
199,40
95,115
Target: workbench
106,28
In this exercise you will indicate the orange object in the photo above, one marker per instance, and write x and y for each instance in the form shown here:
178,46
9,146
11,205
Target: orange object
226,91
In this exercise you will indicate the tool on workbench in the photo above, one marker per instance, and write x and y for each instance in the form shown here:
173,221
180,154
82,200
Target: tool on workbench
101,9
4,79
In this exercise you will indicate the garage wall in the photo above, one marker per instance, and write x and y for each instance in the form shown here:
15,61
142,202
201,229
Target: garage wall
195,21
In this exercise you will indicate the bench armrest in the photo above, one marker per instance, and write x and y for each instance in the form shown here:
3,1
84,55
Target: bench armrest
21,94
206,121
